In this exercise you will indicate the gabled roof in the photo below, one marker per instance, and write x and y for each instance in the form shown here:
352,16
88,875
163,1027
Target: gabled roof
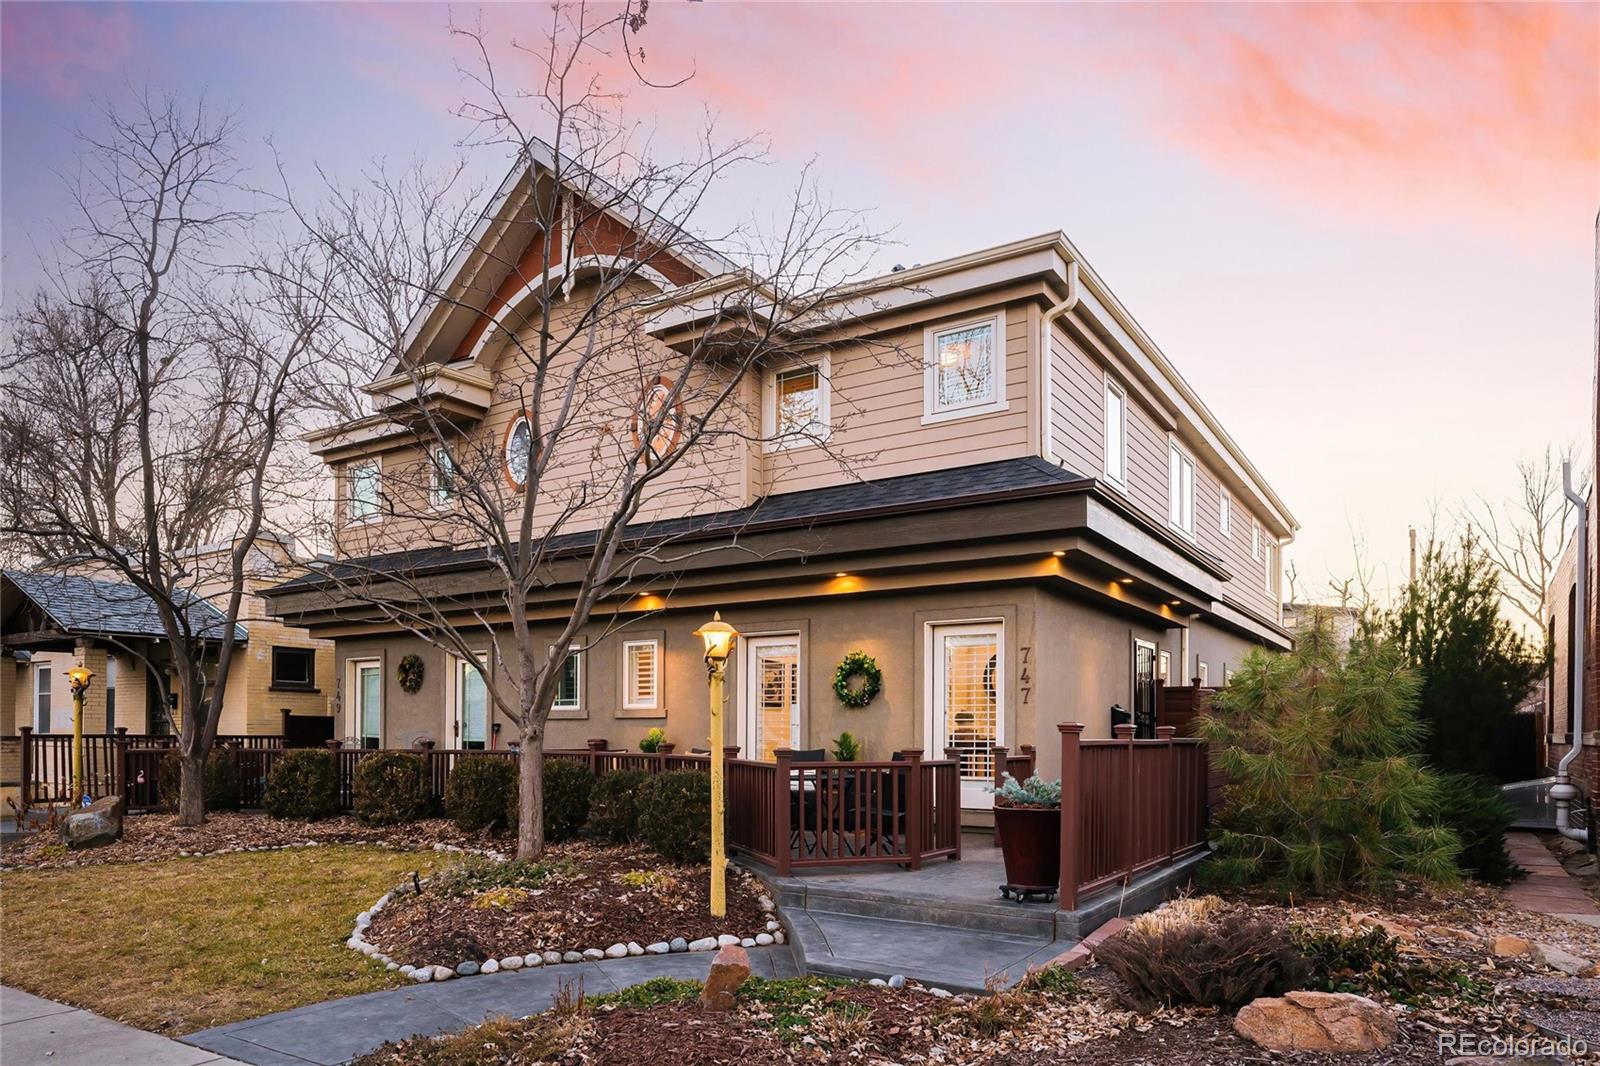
84,606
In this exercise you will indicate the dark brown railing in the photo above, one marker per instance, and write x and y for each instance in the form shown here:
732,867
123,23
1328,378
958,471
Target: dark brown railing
109,767
1127,806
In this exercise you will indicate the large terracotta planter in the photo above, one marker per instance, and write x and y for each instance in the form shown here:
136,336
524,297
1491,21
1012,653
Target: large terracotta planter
1030,841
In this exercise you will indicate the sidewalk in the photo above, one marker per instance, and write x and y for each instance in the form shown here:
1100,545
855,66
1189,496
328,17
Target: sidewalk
340,1029
36,1031
1548,889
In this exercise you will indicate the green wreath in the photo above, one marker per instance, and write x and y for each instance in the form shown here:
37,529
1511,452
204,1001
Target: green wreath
857,664
410,673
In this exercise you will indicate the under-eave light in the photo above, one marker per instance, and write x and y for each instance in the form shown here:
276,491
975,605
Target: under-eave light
1126,580
1058,554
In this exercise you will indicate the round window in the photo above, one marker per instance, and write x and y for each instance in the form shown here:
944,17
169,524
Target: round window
518,440
659,412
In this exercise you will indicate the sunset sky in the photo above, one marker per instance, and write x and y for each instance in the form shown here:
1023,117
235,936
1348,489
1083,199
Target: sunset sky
1364,233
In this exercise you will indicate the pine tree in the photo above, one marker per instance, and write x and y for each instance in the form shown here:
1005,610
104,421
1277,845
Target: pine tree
1473,666
1326,787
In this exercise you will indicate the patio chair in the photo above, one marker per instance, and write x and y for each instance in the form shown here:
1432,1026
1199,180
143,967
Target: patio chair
797,793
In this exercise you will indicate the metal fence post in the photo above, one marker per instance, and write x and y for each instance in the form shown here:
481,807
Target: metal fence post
1071,811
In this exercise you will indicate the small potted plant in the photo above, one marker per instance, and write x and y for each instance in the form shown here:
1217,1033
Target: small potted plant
1028,816
846,748
651,742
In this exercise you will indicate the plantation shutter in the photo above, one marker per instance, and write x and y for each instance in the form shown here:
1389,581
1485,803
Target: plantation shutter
643,682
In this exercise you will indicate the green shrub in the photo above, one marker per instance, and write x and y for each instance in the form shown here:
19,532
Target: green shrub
475,874
221,781
675,815
846,748
1224,963
567,786
479,792
652,741
389,789
1325,785
1371,962
302,784
1476,810
614,805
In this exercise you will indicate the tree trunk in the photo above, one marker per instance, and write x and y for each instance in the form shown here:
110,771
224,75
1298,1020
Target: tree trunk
530,796
191,789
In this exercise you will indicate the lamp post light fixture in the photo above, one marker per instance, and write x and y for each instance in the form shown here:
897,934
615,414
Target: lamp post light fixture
719,637
78,678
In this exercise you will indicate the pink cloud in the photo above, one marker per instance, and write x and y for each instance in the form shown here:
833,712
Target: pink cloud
59,47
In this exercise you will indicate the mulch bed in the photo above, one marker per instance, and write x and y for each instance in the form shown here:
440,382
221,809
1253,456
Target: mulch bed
153,837
592,897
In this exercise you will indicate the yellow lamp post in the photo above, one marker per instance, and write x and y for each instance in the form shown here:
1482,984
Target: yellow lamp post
78,677
719,637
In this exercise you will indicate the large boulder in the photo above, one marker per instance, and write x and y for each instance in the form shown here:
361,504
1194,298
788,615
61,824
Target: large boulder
92,826
1316,1021
729,970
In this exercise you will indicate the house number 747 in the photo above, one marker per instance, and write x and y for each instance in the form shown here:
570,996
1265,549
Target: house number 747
1026,679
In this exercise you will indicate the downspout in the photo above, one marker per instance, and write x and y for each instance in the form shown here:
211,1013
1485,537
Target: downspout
1047,443
1563,792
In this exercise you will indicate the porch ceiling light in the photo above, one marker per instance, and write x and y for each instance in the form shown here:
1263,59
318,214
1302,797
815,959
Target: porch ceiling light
719,637
79,677
1176,603
1126,580
1058,554
840,573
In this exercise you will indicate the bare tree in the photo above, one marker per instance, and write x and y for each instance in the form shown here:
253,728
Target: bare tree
1525,535
587,241
176,372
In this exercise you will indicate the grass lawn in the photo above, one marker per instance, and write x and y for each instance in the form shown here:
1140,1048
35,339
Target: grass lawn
186,944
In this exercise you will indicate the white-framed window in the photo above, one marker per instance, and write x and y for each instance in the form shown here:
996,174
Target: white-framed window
366,701
1180,490
519,438
1224,513
1255,540
1203,673
964,369
641,681
1164,666
364,491
569,696
41,699
442,481
796,406
1116,433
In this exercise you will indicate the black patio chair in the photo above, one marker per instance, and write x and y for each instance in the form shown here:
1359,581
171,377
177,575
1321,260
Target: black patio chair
797,792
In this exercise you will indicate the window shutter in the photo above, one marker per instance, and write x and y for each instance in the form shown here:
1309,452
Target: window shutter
644,674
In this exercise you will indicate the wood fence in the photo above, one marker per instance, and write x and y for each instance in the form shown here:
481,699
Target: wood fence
1127,806
112,762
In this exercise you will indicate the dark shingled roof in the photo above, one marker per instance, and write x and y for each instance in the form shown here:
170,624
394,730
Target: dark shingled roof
833,503
87,606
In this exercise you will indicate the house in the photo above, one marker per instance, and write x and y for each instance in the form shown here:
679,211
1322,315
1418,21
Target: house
1565,632
77,613
1029,519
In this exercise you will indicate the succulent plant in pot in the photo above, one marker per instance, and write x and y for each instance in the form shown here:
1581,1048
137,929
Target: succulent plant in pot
1027,815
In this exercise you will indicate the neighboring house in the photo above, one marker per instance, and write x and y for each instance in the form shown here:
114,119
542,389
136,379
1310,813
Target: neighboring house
53,620
1040,519
1343,619
1564,630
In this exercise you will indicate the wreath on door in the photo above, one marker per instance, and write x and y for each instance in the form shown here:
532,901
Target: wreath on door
857,680
409,673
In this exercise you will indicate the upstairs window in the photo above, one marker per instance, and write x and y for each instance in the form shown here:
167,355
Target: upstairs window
796,407
1116,434
660,417
1224,510
641,687
363,492
569,694
442,487
1255,540
965,369
294,668
519,447
1180,490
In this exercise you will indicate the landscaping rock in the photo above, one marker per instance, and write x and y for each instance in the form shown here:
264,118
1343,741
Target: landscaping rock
571,956
748,942
774,925
443,973
763,939
467,969
616,951
777,938
1509,947
422,976
98,824
1559,959
552,957
878,982
534,958
678,944
705,943
727,940
634,948
1316,1021
511,962
595,954
897,981
407,970
729,970
660,947
489,966
940,993
1393,928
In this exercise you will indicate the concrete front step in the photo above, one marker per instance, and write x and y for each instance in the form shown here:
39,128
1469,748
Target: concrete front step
1033,919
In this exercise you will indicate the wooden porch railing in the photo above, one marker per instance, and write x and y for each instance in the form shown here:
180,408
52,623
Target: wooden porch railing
1127,806
46,761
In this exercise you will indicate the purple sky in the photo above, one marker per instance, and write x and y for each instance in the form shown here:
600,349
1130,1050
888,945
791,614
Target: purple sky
1364,233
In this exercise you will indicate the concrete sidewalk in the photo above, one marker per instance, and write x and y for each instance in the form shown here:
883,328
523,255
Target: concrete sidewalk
36,1032
1548,888
340,1029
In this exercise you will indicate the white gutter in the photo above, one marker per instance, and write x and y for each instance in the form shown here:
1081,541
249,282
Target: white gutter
1047,442
1563,792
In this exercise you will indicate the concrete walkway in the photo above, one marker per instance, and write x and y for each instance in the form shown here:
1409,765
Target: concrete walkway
35,1031
1548,889
340,1029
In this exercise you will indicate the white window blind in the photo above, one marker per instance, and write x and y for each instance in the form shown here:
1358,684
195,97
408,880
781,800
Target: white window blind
642,686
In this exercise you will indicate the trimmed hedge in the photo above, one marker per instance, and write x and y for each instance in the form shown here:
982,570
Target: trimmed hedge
567,788
221,780
614,806
389,789
480,792
303,784
675,815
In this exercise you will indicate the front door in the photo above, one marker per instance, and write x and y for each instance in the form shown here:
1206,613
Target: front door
471,726
368,685
967,705
1145,682
770,710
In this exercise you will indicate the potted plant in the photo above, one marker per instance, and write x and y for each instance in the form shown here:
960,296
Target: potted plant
651,742
1028,816
846,748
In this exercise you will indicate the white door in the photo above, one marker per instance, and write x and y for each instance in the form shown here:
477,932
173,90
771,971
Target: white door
966,703
368,689
471,703
769,716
